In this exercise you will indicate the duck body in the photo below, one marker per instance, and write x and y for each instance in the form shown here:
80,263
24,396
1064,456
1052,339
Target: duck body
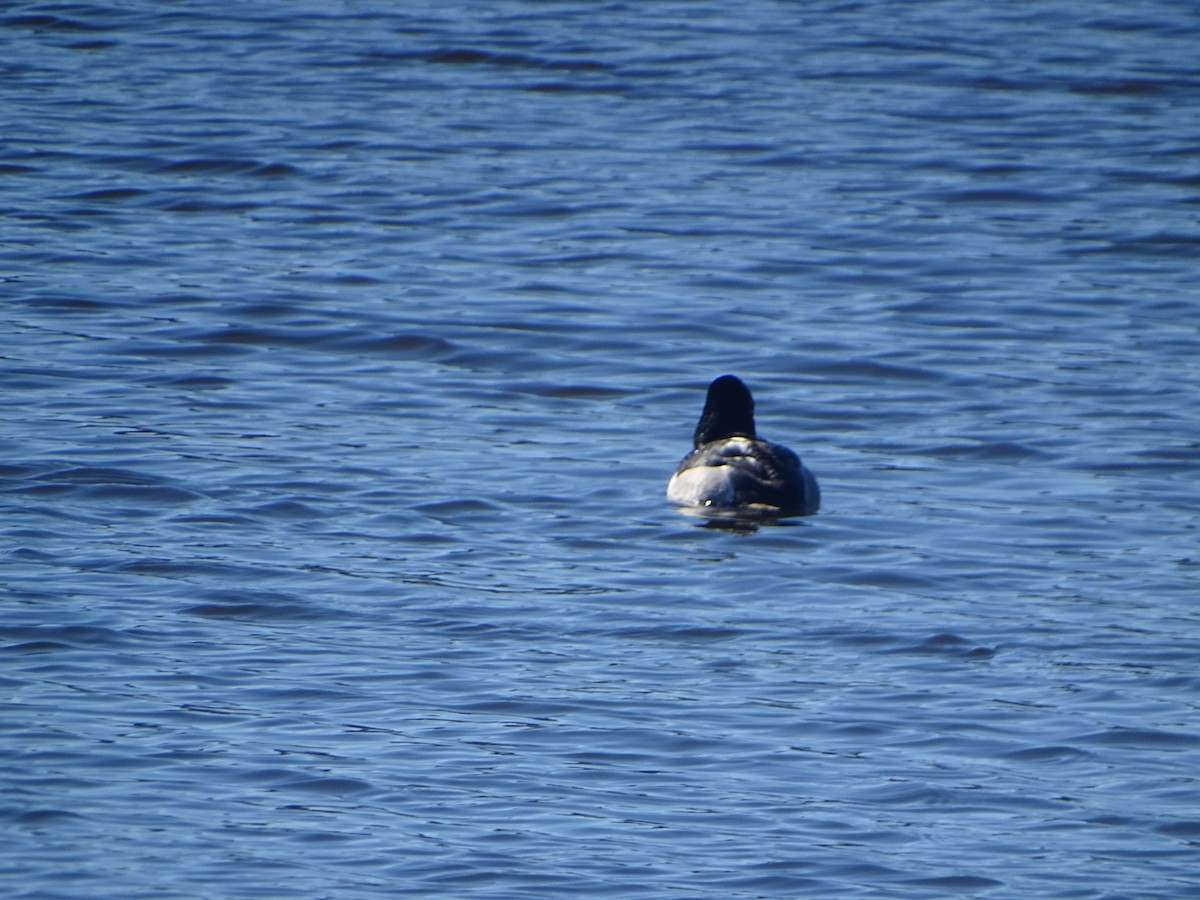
733,471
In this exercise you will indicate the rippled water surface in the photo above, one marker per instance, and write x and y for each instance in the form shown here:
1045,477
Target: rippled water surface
347,349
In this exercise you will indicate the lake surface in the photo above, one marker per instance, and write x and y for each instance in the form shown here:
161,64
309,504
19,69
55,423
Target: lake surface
347,350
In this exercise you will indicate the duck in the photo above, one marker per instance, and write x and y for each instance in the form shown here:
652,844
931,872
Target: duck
732,471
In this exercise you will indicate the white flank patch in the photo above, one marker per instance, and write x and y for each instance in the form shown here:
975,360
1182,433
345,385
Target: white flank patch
702,486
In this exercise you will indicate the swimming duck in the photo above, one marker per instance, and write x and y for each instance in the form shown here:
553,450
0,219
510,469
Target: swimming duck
734,471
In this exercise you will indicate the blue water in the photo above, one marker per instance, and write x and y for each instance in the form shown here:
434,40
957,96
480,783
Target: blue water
347,350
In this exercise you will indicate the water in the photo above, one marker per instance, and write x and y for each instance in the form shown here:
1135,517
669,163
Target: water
348,349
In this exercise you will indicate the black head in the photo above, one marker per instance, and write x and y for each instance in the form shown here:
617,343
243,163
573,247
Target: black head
728,411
